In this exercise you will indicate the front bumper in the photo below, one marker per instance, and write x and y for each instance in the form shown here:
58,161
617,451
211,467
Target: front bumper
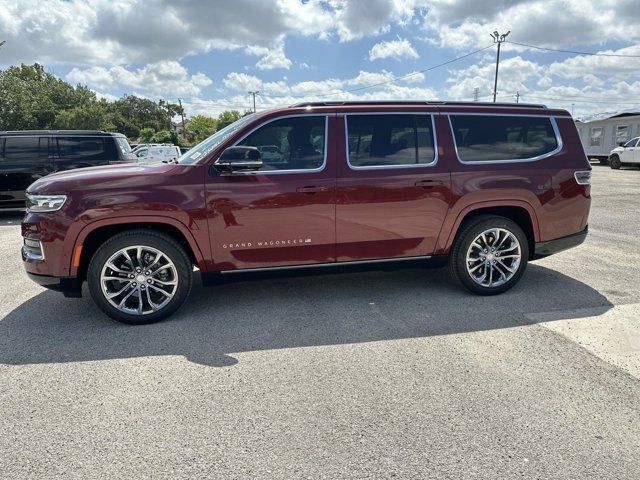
544,249
69,286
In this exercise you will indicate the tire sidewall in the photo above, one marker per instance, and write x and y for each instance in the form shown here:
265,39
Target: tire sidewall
168,247
615,162
468,236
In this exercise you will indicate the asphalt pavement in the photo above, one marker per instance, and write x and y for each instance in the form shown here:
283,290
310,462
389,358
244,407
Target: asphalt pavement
361,375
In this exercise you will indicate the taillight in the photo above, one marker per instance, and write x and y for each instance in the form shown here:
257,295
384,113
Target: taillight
583,177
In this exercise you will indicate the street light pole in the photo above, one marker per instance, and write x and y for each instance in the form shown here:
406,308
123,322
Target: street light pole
499,39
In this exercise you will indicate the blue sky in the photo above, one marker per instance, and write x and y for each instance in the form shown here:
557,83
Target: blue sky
210,53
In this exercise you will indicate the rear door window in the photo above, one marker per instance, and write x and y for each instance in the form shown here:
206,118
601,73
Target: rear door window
25,149
488,138
392,140
85,148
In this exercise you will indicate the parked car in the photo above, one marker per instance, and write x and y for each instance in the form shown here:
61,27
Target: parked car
627,154
157,153
484,188
26,156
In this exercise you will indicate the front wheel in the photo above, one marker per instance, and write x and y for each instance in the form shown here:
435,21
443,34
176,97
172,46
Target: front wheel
140,277
489,255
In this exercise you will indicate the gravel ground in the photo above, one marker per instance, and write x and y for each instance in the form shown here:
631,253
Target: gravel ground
362,375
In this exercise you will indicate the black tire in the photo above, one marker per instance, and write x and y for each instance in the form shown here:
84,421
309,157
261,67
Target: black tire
467,233
614,162
165,244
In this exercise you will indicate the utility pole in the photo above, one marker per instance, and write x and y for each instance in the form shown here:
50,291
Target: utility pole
517,97
254,93
499,39
182,115
572,105
476,91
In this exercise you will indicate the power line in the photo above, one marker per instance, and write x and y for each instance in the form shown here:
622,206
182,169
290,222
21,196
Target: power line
393,80
574,52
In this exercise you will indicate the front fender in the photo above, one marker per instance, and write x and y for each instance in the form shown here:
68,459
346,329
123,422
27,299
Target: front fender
76,237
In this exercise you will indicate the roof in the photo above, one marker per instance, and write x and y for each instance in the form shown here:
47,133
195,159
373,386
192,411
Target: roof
608,115
60,132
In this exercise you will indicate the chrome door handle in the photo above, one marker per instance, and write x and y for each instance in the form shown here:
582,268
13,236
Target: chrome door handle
311,189
428,183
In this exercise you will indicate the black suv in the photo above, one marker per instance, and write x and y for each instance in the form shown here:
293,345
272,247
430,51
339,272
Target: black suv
26,156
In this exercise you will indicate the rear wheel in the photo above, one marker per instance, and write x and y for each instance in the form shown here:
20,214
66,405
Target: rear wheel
615,163
489,255
140,276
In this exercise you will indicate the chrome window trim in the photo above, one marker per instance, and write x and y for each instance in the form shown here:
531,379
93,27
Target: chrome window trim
385,167
541,114
554,125
278,172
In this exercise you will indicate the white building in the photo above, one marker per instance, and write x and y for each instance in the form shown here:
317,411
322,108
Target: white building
602,134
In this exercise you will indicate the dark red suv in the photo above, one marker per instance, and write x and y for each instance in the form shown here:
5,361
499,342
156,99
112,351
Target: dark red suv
484,187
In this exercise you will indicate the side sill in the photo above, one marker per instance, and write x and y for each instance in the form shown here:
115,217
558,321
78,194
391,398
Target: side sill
229,276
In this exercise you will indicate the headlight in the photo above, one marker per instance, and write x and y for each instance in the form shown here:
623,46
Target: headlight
45,203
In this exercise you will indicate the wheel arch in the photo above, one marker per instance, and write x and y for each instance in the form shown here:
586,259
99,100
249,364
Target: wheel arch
519,211
93,235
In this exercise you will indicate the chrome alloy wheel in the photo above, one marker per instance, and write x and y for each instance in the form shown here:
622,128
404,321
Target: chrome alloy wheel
139,280
493,257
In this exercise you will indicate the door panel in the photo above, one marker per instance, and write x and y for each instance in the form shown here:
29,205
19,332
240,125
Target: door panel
385,209
280,216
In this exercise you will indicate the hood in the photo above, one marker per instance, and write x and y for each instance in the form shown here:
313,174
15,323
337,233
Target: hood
617,150
91,177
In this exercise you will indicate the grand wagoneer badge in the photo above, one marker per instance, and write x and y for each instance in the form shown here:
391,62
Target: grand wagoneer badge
268,243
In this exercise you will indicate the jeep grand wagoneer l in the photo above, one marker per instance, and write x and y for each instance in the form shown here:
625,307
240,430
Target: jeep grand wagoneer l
484,187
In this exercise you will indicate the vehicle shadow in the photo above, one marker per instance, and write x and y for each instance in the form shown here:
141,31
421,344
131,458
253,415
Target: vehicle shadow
287,312
10,218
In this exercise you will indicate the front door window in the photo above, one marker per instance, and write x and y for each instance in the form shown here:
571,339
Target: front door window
293,143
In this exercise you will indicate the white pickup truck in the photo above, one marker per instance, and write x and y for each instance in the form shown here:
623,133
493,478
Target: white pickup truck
156,153
627,154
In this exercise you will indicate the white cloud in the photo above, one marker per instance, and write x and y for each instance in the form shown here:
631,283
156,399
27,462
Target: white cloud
465,24
272,58
397,49
160,79
242,81
371,78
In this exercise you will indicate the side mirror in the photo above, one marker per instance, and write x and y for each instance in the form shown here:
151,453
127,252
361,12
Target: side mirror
239,158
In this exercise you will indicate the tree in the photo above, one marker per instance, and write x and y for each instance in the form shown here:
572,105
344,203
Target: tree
202,126
146,134
227,118
90,117
32,98
166,136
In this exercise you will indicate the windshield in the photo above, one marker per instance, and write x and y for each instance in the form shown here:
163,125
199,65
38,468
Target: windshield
199,151
123,144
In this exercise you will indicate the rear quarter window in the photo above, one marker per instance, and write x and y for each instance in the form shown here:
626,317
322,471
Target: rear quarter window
488,138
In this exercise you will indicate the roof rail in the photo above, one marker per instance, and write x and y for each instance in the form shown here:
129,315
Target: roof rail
50,132
415,102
